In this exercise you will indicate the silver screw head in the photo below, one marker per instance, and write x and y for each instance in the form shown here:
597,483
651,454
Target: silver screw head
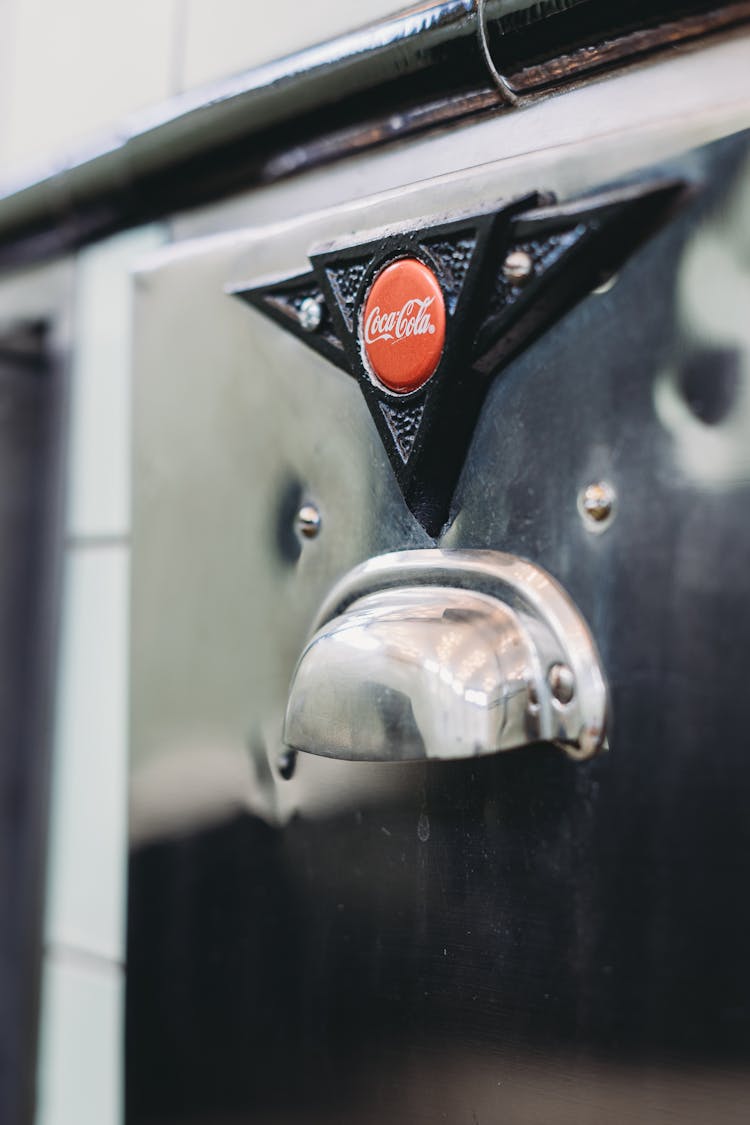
308,521
596,503
518,267
310,314
561,682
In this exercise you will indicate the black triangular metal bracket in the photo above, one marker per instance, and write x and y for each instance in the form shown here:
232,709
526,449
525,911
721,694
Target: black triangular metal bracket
506,273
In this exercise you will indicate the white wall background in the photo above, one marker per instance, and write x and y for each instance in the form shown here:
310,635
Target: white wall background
72,70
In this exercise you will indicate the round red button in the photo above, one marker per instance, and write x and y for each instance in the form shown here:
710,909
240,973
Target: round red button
403,325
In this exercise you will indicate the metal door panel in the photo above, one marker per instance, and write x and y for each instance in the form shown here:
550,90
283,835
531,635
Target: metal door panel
509,939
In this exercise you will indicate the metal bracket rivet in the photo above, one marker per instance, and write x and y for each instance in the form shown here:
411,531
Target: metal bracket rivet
518,267
310,314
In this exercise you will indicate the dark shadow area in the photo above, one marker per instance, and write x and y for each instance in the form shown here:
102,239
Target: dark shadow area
29,560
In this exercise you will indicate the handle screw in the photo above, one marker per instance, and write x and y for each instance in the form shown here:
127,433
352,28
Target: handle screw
561,682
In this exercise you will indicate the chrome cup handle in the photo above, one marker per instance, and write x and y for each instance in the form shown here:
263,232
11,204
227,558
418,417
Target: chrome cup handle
446,654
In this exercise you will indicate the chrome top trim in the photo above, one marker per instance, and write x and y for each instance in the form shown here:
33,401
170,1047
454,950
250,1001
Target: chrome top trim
193,148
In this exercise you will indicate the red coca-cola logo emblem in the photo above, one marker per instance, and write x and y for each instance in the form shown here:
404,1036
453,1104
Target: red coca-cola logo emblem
403,325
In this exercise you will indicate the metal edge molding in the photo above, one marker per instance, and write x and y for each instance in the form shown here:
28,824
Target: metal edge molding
425,67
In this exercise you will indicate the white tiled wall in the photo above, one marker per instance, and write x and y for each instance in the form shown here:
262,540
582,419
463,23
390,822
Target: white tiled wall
85,899
82,985
80,1079
99,465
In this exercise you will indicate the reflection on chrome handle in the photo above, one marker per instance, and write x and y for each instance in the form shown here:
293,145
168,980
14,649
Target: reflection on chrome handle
446,654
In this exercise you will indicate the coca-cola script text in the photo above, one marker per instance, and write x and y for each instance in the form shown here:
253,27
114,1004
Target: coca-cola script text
412,319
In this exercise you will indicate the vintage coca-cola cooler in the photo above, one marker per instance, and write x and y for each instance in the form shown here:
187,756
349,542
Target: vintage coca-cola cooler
440,649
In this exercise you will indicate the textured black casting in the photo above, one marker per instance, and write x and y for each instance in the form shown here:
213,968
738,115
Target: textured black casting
426,433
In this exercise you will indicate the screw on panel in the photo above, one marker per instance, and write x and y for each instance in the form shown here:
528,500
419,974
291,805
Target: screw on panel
308,521
561,682
596,504
518,267
310,314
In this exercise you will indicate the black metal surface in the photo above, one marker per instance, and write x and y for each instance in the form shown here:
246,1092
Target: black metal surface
427,432
518,939
420,69
29,451
539,30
